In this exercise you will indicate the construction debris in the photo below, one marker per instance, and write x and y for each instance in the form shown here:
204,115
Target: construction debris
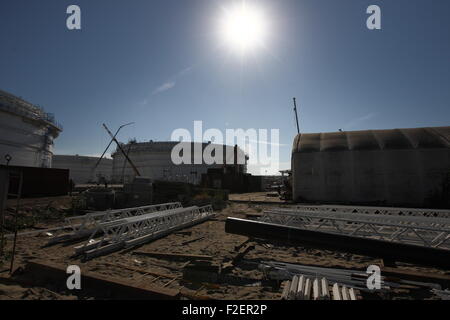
443,294
175,256
204,262
201,271
193,240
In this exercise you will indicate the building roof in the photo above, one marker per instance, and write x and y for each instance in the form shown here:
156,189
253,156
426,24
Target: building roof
417,138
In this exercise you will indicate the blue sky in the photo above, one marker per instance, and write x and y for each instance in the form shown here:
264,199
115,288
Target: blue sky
161,64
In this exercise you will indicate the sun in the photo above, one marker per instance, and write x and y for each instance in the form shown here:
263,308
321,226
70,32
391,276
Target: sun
244,27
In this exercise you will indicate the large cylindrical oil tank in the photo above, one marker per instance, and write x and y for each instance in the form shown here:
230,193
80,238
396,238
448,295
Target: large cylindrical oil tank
153,160
26,133
399,167
83,169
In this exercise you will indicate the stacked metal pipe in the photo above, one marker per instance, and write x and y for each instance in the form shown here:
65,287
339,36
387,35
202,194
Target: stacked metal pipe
347,277
302,287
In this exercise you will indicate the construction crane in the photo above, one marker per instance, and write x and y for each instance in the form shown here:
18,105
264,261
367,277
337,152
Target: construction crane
136,171
296,115
107,147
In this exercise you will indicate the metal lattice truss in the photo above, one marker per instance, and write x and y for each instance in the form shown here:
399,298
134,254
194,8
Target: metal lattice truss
437,213
136,230
422,231
83,226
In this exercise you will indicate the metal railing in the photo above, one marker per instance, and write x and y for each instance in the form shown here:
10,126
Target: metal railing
22,108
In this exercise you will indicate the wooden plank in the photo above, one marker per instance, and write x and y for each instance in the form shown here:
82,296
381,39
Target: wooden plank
325,294
194,296
301,288
307,295
242,252
352,294
345,294
243,243
286,287
156,274
415,275
192,240
293,289
42,273
175,256
336,292
316,289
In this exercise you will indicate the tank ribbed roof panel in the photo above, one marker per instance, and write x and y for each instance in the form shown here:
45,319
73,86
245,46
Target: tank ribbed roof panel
393,139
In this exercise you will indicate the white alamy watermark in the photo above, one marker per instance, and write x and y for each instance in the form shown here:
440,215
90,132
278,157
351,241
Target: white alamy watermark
374,20
73,21
235,146
374,279
74,280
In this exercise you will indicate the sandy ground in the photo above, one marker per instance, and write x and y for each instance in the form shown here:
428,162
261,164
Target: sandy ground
215,242
268,196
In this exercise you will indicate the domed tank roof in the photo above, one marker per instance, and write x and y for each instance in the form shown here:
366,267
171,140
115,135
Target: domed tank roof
416,138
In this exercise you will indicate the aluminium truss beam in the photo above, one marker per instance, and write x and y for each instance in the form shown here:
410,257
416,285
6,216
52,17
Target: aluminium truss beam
438,213
84,225
364,246
423,231
133,231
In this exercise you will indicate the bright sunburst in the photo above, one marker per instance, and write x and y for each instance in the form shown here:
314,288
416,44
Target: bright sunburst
244,27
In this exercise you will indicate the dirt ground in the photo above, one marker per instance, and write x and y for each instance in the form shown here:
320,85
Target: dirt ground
256,197
214,242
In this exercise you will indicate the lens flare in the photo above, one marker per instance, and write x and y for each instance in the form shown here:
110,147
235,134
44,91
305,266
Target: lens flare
244,27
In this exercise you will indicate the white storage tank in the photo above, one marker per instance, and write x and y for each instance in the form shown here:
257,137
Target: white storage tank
153,160
81,168
26,133
398,167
